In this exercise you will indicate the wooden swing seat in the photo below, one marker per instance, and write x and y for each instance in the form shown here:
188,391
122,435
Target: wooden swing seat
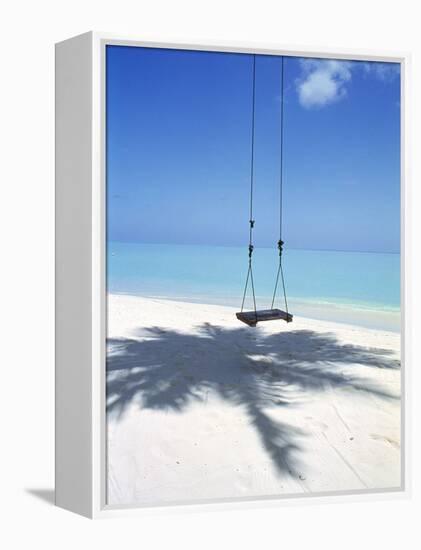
251,318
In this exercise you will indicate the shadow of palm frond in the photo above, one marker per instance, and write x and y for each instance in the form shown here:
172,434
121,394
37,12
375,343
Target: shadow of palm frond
167,369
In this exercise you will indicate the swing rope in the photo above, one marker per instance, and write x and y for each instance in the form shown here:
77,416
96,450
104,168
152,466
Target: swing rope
280,273
251,220
281,173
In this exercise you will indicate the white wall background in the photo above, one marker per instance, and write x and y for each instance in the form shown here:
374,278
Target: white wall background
28,30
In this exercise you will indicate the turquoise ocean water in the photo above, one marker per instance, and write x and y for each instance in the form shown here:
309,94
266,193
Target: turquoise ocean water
352,287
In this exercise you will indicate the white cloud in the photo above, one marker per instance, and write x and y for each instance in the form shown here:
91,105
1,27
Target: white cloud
383,71
322,81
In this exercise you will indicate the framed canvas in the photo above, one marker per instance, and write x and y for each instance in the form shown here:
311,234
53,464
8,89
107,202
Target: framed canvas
231,304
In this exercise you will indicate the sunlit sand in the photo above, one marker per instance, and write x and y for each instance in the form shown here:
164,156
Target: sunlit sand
202,407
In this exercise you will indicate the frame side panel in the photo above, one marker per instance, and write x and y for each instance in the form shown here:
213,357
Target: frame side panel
73,407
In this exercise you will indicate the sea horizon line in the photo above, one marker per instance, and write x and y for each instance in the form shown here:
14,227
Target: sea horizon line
256,247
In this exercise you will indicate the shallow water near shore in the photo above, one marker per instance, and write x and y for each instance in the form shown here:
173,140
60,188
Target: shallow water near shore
357,288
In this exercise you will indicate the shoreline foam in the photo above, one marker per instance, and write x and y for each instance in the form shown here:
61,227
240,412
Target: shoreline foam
359,315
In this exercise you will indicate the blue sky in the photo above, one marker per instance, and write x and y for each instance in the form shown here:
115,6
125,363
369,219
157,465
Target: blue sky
178,150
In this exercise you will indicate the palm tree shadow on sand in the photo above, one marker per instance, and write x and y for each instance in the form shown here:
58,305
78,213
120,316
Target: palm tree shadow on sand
166,369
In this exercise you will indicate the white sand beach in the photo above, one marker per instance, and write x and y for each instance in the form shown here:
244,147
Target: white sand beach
202,407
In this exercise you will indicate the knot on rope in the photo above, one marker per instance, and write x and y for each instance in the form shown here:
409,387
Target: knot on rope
251,248
252,222
280,245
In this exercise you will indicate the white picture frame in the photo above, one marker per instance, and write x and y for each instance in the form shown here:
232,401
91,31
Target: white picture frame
80,270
